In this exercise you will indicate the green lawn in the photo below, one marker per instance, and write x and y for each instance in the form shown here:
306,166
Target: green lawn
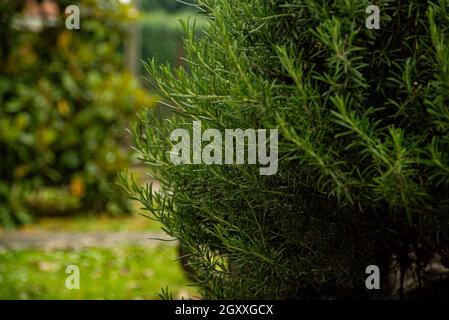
130,272
122,272
93,223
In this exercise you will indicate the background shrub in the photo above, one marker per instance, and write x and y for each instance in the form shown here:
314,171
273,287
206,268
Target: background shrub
162,35
64,103
364,170
166,5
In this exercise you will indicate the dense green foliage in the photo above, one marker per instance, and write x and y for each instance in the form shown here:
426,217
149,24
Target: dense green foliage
363,153
64,103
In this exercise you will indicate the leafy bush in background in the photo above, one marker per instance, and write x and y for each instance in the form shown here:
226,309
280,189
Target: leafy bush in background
161,38
364,167
64,102
161,35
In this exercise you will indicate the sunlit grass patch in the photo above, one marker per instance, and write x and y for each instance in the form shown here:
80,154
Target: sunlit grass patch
130,272
94,223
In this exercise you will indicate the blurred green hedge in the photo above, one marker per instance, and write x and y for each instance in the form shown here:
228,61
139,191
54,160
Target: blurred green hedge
162,35
64,103
166,5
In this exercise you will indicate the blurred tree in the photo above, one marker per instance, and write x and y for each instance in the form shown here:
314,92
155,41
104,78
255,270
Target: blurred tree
64,102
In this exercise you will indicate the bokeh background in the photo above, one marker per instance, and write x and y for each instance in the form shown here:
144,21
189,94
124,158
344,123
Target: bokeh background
66,99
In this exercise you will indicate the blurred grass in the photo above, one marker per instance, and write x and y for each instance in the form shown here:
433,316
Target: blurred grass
94,223
129,272
122,272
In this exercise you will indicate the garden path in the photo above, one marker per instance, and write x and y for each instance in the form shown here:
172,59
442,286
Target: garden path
18,240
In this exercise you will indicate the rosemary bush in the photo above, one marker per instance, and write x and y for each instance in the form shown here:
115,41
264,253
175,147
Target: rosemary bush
363,149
